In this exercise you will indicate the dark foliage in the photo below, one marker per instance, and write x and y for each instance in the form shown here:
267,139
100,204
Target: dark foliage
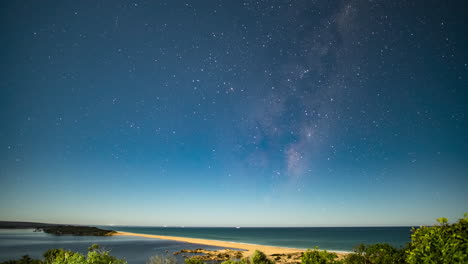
318,257
443,243
60,256
259,257
77,231
56,229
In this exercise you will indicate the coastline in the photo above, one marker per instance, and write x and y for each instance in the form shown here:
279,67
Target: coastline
248,248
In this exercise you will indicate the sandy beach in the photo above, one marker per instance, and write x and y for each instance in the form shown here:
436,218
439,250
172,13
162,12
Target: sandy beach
249,248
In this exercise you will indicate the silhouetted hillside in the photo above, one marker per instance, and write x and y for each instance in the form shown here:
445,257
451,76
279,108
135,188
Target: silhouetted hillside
57,229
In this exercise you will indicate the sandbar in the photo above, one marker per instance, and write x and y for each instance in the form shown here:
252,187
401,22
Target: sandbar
249,248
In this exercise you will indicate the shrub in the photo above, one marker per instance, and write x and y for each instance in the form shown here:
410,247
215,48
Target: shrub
259,257
354,258
233,262
51,254
68,257
98,256
318,257
380,253
60,256
383,253
238,255
357,257
442,243
193,260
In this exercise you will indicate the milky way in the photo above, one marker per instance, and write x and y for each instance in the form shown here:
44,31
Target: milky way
321,109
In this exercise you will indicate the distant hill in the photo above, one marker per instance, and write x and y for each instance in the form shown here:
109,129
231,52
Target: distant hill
57,229
14,224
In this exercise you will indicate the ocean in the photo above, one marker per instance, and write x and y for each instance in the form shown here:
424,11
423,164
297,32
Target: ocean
14,243
330,238
137,250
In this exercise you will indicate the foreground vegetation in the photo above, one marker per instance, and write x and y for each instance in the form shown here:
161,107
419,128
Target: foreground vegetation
442,243
60,256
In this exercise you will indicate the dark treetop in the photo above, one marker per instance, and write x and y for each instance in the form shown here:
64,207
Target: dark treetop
57,229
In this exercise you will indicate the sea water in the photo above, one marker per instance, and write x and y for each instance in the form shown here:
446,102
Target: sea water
137,250
330,238
14,243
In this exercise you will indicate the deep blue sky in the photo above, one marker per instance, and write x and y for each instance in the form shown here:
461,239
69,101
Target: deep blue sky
233,113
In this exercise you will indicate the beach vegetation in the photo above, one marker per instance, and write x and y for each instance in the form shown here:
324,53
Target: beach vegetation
353,259
193,260
316,256
380,253
238,255
259,257
234,262
69,257
95,255
442,243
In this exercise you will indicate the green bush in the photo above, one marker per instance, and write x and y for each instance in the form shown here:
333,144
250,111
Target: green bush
357,257
60,256
229,262
51,254
259,257
68,257
380,253
383,253
233,262
193,260
442,243
98,256
318,257
354,258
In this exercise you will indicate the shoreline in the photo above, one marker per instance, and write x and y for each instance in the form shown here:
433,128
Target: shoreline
246,247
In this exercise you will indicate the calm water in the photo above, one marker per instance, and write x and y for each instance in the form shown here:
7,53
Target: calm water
331,238
136,250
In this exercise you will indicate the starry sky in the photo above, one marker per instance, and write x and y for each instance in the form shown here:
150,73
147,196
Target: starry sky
233,113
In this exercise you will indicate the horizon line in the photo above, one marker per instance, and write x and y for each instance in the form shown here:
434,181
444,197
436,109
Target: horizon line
201,226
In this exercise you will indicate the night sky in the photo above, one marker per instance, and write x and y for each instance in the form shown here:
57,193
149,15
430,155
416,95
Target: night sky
234,113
